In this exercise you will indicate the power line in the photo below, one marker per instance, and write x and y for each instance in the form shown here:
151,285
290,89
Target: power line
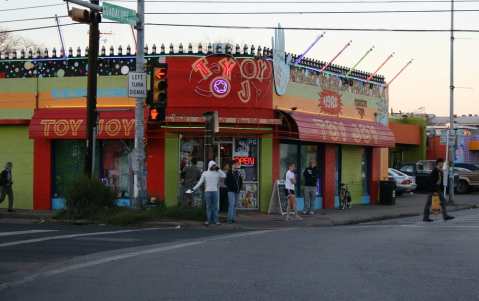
37,28
31,7
310,28
31,19
308,2
315,12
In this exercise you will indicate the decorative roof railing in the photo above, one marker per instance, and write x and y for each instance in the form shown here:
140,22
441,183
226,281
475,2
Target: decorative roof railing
49,64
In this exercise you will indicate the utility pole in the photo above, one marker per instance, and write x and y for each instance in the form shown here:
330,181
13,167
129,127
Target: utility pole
140,175
452,148
93,18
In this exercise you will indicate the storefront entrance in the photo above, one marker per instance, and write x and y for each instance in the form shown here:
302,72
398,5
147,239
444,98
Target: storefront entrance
225,151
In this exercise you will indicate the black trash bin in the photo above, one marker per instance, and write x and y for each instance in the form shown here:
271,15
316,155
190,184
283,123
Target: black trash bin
387,192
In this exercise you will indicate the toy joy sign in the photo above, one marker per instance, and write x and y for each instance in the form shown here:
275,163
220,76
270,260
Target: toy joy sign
220,81
76,128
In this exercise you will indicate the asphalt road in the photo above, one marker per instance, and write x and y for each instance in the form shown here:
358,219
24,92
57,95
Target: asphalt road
403,259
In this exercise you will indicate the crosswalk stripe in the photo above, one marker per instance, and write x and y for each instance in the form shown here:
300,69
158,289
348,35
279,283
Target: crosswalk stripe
67,236
12,233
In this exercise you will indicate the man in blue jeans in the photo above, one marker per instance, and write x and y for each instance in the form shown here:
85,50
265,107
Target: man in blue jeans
234,184
211,179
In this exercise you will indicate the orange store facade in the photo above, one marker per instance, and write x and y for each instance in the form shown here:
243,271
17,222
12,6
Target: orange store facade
340,122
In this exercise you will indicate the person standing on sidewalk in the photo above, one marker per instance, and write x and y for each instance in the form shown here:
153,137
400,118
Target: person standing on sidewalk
211,179
234,184
437,188
289,184
190,175
311,176
6,182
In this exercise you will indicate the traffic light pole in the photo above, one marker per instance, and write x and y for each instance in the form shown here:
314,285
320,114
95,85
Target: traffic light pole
93,49
452,146
140,172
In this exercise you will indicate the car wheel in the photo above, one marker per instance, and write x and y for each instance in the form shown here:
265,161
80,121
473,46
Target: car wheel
462,187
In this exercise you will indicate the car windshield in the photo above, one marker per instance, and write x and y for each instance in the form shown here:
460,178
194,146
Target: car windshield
462,169
397,172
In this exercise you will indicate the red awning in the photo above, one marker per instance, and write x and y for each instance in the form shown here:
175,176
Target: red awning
71,124
320,128
223,120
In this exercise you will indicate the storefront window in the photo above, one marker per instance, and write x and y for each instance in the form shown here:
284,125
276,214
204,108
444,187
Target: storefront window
115,166
308,153
191,166
288,154
69,162
246,152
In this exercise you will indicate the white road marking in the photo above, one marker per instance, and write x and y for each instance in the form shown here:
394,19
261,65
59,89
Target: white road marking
127,255
11,233
67,236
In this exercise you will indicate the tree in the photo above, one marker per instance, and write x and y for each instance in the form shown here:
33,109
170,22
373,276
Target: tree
10,42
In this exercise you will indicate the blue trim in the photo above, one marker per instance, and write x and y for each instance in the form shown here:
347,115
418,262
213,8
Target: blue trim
365,200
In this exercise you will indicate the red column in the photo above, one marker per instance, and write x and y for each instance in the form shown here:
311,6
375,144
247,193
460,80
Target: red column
156,166
42,174
329,177
375,175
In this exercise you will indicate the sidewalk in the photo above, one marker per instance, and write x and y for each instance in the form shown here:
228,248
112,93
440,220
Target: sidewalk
406,206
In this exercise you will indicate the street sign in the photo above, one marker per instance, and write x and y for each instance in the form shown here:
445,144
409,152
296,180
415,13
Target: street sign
136,84
119,13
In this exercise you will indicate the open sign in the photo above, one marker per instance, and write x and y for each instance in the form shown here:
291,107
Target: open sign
246,161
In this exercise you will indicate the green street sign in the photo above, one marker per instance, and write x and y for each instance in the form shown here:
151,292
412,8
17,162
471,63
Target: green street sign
119,13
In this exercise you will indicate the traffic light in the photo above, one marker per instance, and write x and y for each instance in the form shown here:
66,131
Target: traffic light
79,15
159,88
156,113
212,122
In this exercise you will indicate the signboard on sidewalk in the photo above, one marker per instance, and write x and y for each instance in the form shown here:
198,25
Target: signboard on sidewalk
279,201
119,13
136,84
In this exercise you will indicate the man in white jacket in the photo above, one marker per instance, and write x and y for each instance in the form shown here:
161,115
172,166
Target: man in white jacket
211,179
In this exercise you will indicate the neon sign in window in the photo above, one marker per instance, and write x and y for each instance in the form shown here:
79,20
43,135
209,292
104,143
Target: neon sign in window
246,161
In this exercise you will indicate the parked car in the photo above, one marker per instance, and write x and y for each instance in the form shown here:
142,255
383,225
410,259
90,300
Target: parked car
470,166
468,178
404,183
422,170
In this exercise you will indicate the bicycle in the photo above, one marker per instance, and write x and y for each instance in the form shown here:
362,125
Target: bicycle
344,197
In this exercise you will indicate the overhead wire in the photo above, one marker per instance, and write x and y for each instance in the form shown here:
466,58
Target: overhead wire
31,7
30,19
301,1
308,28
37,28
315,12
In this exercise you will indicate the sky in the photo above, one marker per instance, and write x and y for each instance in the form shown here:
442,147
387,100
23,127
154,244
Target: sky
425,83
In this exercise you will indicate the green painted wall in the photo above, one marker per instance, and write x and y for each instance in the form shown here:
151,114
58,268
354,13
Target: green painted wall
16,113
15,146
351,171
266,172
172,164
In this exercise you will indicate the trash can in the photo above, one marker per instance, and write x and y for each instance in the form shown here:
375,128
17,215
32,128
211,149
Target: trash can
387,192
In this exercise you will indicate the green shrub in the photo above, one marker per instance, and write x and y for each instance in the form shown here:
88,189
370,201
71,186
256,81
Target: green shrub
87,197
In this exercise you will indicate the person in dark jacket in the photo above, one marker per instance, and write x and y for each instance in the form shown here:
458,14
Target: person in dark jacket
6,182
437,188
311,176
234,184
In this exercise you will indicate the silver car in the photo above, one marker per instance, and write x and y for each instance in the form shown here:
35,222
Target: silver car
404,183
